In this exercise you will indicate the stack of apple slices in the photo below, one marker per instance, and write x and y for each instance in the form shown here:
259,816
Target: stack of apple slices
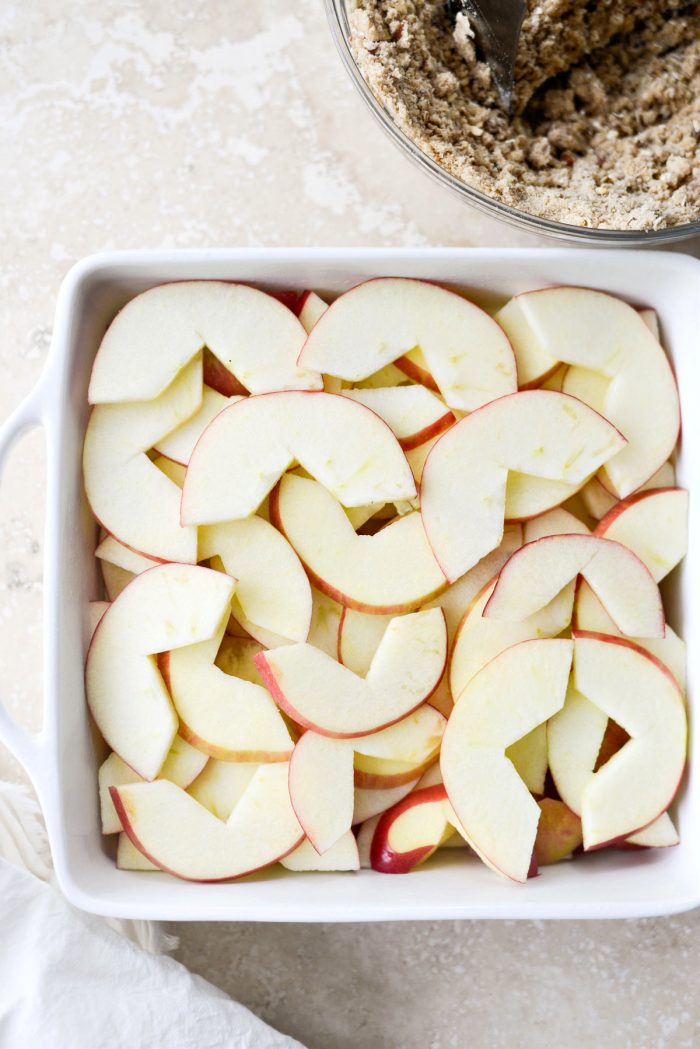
382,579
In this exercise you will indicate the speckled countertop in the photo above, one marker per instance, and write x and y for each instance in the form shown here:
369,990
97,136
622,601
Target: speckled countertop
193,124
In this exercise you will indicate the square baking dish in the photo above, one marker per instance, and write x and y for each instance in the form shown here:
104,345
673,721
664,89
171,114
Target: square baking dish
63,759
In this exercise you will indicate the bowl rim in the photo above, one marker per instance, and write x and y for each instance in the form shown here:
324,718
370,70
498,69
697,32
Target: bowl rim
337,16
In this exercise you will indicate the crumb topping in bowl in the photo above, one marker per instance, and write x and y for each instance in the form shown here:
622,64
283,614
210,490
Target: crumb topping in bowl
606,132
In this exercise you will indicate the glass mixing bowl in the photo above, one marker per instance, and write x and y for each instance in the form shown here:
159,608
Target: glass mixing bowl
336,11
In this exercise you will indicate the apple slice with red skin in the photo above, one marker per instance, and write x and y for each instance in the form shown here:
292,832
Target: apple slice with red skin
221,785
182,837
167,607
341,856
598,501
252,334
115,579
639,693
182,765
364,841
661,834
536,573
227,717
321,694
321,788
414,413
110,549
180,443
370,802
129,858
379,321
517,691
391,572
413,365
559,832
534,364
130,497
463,486
654,525
410,832
217,376
311,309
385,773
265,435
599,332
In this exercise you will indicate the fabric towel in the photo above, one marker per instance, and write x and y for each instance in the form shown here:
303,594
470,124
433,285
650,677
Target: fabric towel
69,981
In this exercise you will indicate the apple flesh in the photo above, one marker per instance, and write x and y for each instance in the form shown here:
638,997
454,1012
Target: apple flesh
221,785
559,832
167,607
536,573
603,334
180,836
183,764
266,435
387,773
272,588
370,802
377,322
322,695
227,717
410,832
413,413
341,856
110,549
321,788
598,501
311,309
654,525
517,691
128,494
392,571
641,695
463,486
179,444
252,335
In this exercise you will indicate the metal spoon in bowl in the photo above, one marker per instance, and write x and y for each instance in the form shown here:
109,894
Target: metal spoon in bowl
496,25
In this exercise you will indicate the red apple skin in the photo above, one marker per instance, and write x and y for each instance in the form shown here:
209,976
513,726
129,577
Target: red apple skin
217,375
293,300
382,856
283,703
222,753
133,838
558,832
428,432
534,870
377,781
415,372
337,595
623,504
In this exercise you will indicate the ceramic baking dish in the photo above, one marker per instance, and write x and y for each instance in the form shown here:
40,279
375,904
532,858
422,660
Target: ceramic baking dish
62,760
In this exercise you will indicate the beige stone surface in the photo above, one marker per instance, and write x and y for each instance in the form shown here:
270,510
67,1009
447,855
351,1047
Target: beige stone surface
194,124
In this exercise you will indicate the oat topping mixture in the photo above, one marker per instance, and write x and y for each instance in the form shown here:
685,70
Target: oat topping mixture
606,129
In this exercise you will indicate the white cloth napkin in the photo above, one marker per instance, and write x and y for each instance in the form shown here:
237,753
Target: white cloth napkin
69,981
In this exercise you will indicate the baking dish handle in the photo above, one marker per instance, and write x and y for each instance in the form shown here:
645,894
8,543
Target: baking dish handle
26,746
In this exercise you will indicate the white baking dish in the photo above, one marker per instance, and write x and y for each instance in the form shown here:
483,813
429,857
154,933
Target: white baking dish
62,761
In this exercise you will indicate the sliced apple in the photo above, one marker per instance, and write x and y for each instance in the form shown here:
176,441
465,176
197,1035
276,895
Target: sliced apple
325,696
376,323
410,832
321,788
661,834
227,717
129,858
654,525
128,495
463,486
413,365
598,501
574,739
536,573
555,522
174,471
110,549
413,739
413,413
96,609
180,836
183,764
179,444
164,608
325,623
391,571
370,802
389,375
601,333
534,364
311,309
265,435
638,692
272,588
341,856
364,841
217,376
513,694
387,773
558,832
236,656
529,758
589,616
221,785
159,332
115,579
478,639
